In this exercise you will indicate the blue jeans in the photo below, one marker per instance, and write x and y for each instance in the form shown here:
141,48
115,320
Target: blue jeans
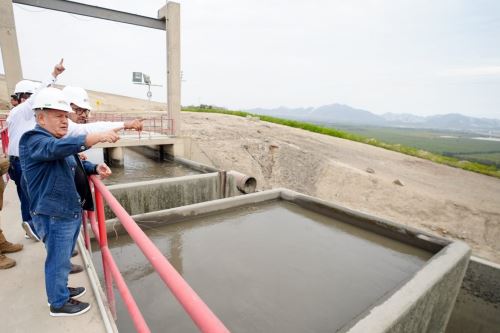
16,174
59,236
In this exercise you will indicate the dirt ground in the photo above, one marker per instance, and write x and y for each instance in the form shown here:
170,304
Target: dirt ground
439,199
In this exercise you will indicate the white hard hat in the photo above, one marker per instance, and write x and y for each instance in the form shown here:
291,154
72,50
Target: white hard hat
51,98
26,86
77,96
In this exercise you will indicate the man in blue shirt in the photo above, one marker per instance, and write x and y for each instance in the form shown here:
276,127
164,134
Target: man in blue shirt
50,166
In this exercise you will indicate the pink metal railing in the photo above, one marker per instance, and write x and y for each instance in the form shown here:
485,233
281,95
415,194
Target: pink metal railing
4,134
111,271
199,312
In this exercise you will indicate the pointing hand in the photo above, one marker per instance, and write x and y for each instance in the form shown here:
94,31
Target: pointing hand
136,124
58,68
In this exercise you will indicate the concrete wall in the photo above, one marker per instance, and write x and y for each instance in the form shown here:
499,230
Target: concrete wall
423,304
482,280
156,195
147,196
186,147
477,308
195,165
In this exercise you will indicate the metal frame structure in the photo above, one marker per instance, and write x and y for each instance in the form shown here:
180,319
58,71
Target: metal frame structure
168,19
97,12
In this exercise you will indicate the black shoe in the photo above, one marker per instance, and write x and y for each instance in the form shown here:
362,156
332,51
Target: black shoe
75,269
74,253
76,292
71,308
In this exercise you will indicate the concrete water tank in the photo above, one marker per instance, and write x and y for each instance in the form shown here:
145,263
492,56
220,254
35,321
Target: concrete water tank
280,261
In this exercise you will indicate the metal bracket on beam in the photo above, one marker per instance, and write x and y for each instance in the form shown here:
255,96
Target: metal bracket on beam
97,12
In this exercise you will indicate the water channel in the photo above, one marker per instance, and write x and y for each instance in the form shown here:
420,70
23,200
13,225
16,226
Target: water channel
140,164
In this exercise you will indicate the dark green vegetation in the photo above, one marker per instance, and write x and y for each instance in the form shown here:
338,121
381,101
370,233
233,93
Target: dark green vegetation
460,145
461,152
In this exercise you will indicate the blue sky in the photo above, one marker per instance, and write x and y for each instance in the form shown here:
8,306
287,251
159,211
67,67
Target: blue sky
406,56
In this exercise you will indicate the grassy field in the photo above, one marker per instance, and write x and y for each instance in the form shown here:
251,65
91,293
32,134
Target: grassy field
460,145
394,140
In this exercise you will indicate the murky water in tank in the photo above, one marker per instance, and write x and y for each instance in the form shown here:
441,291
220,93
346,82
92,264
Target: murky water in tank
274,267
139,165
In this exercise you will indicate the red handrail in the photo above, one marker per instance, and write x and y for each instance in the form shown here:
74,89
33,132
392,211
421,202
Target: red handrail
199,312
5,140
108,261
103,243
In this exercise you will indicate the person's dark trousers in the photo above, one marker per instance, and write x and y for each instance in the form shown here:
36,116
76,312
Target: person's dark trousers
58,235
16,174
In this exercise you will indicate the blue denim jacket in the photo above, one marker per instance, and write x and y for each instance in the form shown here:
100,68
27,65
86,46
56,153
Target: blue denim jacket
48,166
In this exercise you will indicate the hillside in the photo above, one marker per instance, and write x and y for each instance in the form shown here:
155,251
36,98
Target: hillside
443,200
440,199
344,114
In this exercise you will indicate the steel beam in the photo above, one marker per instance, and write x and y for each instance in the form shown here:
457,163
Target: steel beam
97,12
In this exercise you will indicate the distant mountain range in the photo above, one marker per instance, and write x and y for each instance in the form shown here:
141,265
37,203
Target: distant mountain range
344,114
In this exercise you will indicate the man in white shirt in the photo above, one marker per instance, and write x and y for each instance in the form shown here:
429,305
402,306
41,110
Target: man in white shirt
22,119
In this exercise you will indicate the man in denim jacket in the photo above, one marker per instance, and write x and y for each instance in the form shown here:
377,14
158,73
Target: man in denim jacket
50,166
21,119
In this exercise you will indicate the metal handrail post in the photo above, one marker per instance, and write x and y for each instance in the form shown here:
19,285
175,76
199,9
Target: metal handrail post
86,237
129,301
103,242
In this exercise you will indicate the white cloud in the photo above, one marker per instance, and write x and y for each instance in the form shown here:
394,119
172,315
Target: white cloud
472,71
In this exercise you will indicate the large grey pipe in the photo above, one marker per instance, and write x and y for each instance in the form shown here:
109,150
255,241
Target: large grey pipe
246,184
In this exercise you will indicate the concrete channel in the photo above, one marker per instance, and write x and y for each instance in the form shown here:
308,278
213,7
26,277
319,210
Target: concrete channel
477,308
141,164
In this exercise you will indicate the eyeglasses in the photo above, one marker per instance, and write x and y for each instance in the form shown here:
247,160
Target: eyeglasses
80,111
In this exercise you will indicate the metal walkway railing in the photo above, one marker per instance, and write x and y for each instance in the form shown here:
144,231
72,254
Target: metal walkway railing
153,123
